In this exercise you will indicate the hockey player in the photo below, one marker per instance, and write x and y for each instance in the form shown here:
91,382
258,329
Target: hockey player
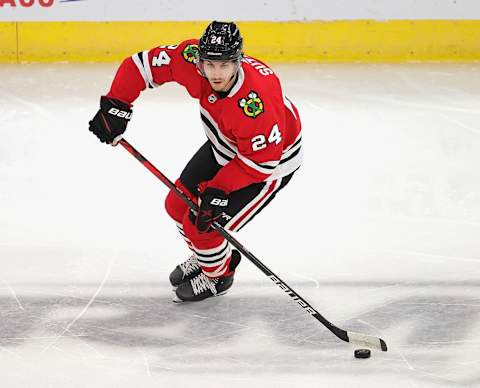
252,151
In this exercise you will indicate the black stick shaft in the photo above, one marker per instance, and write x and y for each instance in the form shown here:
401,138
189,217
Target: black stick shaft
340,333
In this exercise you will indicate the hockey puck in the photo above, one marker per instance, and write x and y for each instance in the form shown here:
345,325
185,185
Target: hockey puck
362,353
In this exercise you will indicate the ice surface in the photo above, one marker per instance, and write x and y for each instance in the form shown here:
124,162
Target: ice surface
379,230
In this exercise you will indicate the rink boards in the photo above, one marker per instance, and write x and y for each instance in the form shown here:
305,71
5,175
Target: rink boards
310,41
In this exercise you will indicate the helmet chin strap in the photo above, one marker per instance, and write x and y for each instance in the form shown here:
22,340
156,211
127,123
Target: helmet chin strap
234,76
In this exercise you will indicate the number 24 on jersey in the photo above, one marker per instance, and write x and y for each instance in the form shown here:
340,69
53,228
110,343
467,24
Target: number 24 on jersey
259,142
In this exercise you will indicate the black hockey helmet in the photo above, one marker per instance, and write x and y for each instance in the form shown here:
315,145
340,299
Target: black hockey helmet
221,41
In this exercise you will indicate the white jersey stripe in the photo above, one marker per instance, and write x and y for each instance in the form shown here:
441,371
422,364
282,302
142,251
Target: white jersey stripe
271,164
232,147
216,144
148,70
141,70
289,153
255,166
286,168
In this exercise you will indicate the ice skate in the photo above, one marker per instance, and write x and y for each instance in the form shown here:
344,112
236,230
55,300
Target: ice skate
202,287
185,271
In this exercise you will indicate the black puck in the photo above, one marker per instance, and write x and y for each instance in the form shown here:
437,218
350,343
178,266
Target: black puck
362,353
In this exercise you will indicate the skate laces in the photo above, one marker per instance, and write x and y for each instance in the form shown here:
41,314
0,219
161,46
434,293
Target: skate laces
203,283
189,266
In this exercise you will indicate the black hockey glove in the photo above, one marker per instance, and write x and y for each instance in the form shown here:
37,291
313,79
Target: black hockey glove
111,120
212,204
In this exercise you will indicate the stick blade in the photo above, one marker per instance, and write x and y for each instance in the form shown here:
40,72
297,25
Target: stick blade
367,341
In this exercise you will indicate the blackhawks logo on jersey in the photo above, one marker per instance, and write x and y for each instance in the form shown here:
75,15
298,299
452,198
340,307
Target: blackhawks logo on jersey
190,53
252,105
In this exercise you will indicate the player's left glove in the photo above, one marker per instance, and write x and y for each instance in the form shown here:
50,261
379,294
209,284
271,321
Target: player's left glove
212,203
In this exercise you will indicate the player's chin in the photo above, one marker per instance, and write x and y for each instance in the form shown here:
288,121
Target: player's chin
217,86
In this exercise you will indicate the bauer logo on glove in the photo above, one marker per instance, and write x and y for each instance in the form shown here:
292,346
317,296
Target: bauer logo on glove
219,202
121,113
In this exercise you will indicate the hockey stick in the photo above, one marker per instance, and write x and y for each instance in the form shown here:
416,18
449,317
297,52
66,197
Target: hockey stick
347,336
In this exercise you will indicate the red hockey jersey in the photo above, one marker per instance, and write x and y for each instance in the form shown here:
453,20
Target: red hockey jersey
254,132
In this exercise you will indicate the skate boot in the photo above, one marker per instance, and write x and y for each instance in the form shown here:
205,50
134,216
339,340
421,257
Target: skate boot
202,287
185,271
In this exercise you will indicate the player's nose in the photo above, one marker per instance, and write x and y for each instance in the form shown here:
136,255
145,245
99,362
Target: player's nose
217,73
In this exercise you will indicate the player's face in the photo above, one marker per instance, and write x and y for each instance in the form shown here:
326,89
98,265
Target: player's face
220,74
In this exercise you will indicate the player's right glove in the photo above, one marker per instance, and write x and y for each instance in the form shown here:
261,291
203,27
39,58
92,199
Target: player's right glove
111,119
212,203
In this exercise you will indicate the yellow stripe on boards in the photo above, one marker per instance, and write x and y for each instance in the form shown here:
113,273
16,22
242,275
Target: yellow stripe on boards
97,41
365,41
315,41
8,42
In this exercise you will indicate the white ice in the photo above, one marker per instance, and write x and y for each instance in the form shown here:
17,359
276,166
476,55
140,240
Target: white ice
379,230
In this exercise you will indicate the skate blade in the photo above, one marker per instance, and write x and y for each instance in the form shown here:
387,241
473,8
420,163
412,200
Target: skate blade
177,300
